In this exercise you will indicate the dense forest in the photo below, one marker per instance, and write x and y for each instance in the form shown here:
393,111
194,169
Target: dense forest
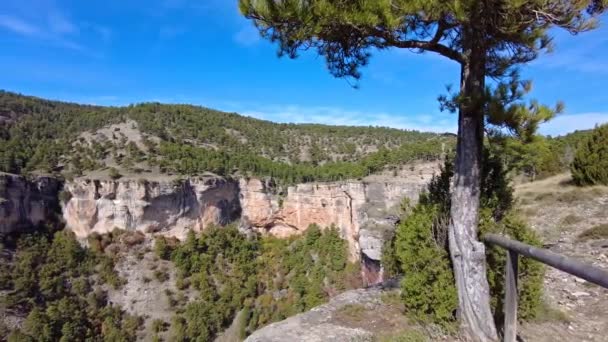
39,135
50,136
54,289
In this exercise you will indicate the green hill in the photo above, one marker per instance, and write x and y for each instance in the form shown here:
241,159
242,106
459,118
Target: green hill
72,139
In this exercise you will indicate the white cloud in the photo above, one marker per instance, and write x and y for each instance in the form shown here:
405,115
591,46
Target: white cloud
247,36
58,23
18,26
567,123
50,25
441,122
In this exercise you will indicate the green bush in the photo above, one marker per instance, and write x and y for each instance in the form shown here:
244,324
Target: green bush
590,165
428,285
420,249
531,273
50,279
114,174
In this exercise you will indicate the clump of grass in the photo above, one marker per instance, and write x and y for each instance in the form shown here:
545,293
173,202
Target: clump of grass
571,219
407,336
597,232
353,311
547,313
391,298
575,195
543,196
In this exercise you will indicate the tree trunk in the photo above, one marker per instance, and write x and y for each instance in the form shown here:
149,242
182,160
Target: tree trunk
467,253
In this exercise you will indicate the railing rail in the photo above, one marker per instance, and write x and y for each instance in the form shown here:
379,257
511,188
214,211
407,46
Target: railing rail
575,267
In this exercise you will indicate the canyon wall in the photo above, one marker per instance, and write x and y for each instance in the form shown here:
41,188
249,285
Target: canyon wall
26,203
170,208
365,212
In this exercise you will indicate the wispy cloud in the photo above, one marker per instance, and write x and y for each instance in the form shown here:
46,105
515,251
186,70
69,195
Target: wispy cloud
18,26
567,123
50,25
583,53
440,122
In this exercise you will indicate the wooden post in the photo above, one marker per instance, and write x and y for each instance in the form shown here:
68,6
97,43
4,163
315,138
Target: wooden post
510,329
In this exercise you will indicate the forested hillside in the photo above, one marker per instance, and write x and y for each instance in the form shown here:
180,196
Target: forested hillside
51,136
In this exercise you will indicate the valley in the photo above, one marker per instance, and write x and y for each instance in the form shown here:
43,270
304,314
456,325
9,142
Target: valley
193,223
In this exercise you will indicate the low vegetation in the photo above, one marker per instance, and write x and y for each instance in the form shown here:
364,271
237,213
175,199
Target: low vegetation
590,164
268,278
57,285
47,136
594,233
419,250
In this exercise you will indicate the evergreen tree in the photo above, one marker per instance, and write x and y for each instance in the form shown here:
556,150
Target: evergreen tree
590,165
486,38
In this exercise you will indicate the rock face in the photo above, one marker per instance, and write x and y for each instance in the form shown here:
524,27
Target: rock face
333,321
364,212
171,208
27,203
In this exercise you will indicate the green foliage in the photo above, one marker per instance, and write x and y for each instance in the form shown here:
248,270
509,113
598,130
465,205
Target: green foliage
531,273
195,140
162,248
590,165
114,174
428,286
51,280
408,336
267,277
421,251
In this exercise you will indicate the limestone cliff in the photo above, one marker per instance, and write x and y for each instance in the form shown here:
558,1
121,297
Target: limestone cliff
170,207
363,211
26,203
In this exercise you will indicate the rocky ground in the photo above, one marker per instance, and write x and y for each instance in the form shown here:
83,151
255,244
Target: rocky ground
574,309
560,212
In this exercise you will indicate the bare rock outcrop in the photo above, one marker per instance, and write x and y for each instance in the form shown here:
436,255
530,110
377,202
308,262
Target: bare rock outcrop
357,315
363,211
171,208
26,203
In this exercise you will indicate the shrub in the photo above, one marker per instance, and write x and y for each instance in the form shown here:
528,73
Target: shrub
590,164
114,174
421,250
428,289
597,232
571,219
531,273
407,336
161,248
161,275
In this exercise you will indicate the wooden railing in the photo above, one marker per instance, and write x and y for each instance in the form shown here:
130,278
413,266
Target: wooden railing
514,249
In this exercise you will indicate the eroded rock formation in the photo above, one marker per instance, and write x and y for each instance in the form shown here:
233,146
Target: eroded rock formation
26,203
170,208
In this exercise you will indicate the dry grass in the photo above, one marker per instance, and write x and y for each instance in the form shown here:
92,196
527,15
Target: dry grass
406,336
571,219
595,233
548,313
353,311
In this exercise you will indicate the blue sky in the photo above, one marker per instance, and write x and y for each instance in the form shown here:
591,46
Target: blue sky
116,52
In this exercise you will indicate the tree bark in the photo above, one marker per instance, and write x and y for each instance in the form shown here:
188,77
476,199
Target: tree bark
467,253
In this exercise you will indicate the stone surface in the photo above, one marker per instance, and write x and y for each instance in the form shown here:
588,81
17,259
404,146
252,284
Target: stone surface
170,208
25,203
318,324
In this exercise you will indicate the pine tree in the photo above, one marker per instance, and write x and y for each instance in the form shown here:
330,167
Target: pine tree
488,39
590,164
